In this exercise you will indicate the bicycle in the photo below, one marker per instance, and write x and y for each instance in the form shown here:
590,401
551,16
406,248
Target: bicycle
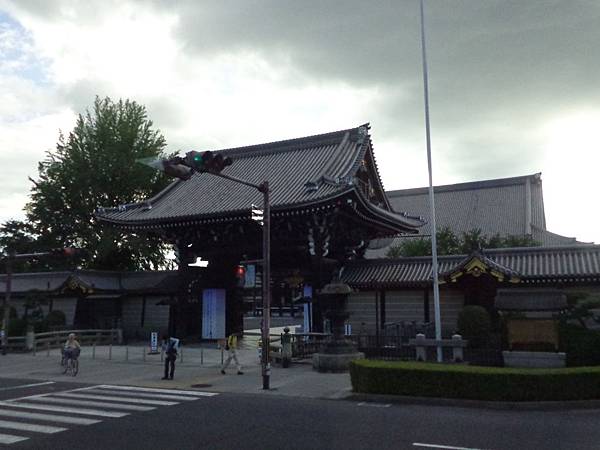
70,363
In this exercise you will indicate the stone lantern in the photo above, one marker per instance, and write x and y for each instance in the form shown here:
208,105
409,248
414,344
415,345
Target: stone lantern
336,354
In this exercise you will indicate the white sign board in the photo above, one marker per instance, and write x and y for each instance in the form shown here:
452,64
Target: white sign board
307,326
154,341
250,277
213,314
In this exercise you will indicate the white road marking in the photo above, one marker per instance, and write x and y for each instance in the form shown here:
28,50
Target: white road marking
143,395
141,401
66,401
11,439
30,427
65,409
375,405
449,447
48,417
157,390
26,385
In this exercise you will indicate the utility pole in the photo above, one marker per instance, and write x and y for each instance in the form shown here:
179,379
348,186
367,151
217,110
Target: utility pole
434,260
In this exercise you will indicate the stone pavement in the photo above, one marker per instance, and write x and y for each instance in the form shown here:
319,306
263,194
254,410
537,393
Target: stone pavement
198,367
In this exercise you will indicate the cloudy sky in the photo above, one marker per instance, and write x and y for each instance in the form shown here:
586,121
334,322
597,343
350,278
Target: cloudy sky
514,85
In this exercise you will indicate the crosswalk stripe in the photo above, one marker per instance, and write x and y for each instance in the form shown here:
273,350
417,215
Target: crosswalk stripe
11,438
66,409
66,401
48,417
141,401
142,395
157,390
30,427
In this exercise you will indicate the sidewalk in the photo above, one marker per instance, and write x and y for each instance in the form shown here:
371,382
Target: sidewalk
196,368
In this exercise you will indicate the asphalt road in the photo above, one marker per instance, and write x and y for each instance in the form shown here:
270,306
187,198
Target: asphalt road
154,419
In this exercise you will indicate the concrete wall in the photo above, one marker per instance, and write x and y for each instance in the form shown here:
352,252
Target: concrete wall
451,304
156,317
404,306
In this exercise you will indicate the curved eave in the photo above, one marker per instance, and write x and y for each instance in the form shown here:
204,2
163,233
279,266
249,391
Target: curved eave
309,207
395,223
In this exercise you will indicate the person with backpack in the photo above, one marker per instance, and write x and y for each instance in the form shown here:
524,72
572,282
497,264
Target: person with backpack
231,347
170,346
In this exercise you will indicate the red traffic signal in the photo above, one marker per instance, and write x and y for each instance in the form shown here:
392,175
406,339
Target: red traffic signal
240,275
66,251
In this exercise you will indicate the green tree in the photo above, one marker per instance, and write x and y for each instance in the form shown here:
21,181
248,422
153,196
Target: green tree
450,244
96,166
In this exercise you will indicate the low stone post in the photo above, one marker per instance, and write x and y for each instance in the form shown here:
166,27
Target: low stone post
30,339
119,336
420,347
457,348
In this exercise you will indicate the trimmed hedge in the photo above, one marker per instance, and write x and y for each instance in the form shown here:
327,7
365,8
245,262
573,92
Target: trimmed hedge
472,382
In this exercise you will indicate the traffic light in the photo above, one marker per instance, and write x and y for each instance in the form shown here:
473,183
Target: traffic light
207,161
240,275
177,167
66,251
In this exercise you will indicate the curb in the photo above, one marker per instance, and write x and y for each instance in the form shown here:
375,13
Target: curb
478,404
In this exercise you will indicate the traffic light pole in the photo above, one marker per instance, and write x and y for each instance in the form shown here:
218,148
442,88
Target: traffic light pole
266,277
266,281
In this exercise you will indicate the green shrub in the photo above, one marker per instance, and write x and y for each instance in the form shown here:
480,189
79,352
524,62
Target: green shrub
477,383
581,345
56,319
17,327
475,325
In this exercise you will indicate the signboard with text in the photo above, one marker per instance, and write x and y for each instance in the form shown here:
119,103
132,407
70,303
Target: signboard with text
213,314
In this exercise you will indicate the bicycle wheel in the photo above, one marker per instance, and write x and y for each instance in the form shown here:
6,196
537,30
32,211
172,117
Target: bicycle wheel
74,367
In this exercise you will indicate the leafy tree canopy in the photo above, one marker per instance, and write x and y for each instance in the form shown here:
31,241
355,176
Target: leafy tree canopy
94,166
450,244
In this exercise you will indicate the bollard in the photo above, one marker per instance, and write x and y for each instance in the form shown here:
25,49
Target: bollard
126,353
144,354
47,349
457,349
222,357
201,355
94,350
110,351
420,347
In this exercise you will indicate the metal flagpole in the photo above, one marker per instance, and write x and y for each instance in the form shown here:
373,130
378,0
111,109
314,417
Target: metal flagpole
434,260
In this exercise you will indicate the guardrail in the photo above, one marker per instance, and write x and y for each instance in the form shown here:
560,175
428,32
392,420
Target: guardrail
56,339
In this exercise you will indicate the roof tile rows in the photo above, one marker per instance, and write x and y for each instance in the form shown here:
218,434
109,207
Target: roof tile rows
532,264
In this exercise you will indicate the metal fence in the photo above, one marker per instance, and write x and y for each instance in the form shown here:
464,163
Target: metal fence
390,347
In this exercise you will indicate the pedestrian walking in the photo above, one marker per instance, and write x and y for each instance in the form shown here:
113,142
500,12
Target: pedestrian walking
170,346
231,347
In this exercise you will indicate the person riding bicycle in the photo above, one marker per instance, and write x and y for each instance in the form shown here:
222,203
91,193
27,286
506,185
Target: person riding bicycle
72,347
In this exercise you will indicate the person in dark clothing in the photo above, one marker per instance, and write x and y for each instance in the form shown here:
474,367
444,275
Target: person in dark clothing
170,346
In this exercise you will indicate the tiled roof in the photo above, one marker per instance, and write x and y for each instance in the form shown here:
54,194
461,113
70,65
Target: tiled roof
301,173
531,264
505,206
104,281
